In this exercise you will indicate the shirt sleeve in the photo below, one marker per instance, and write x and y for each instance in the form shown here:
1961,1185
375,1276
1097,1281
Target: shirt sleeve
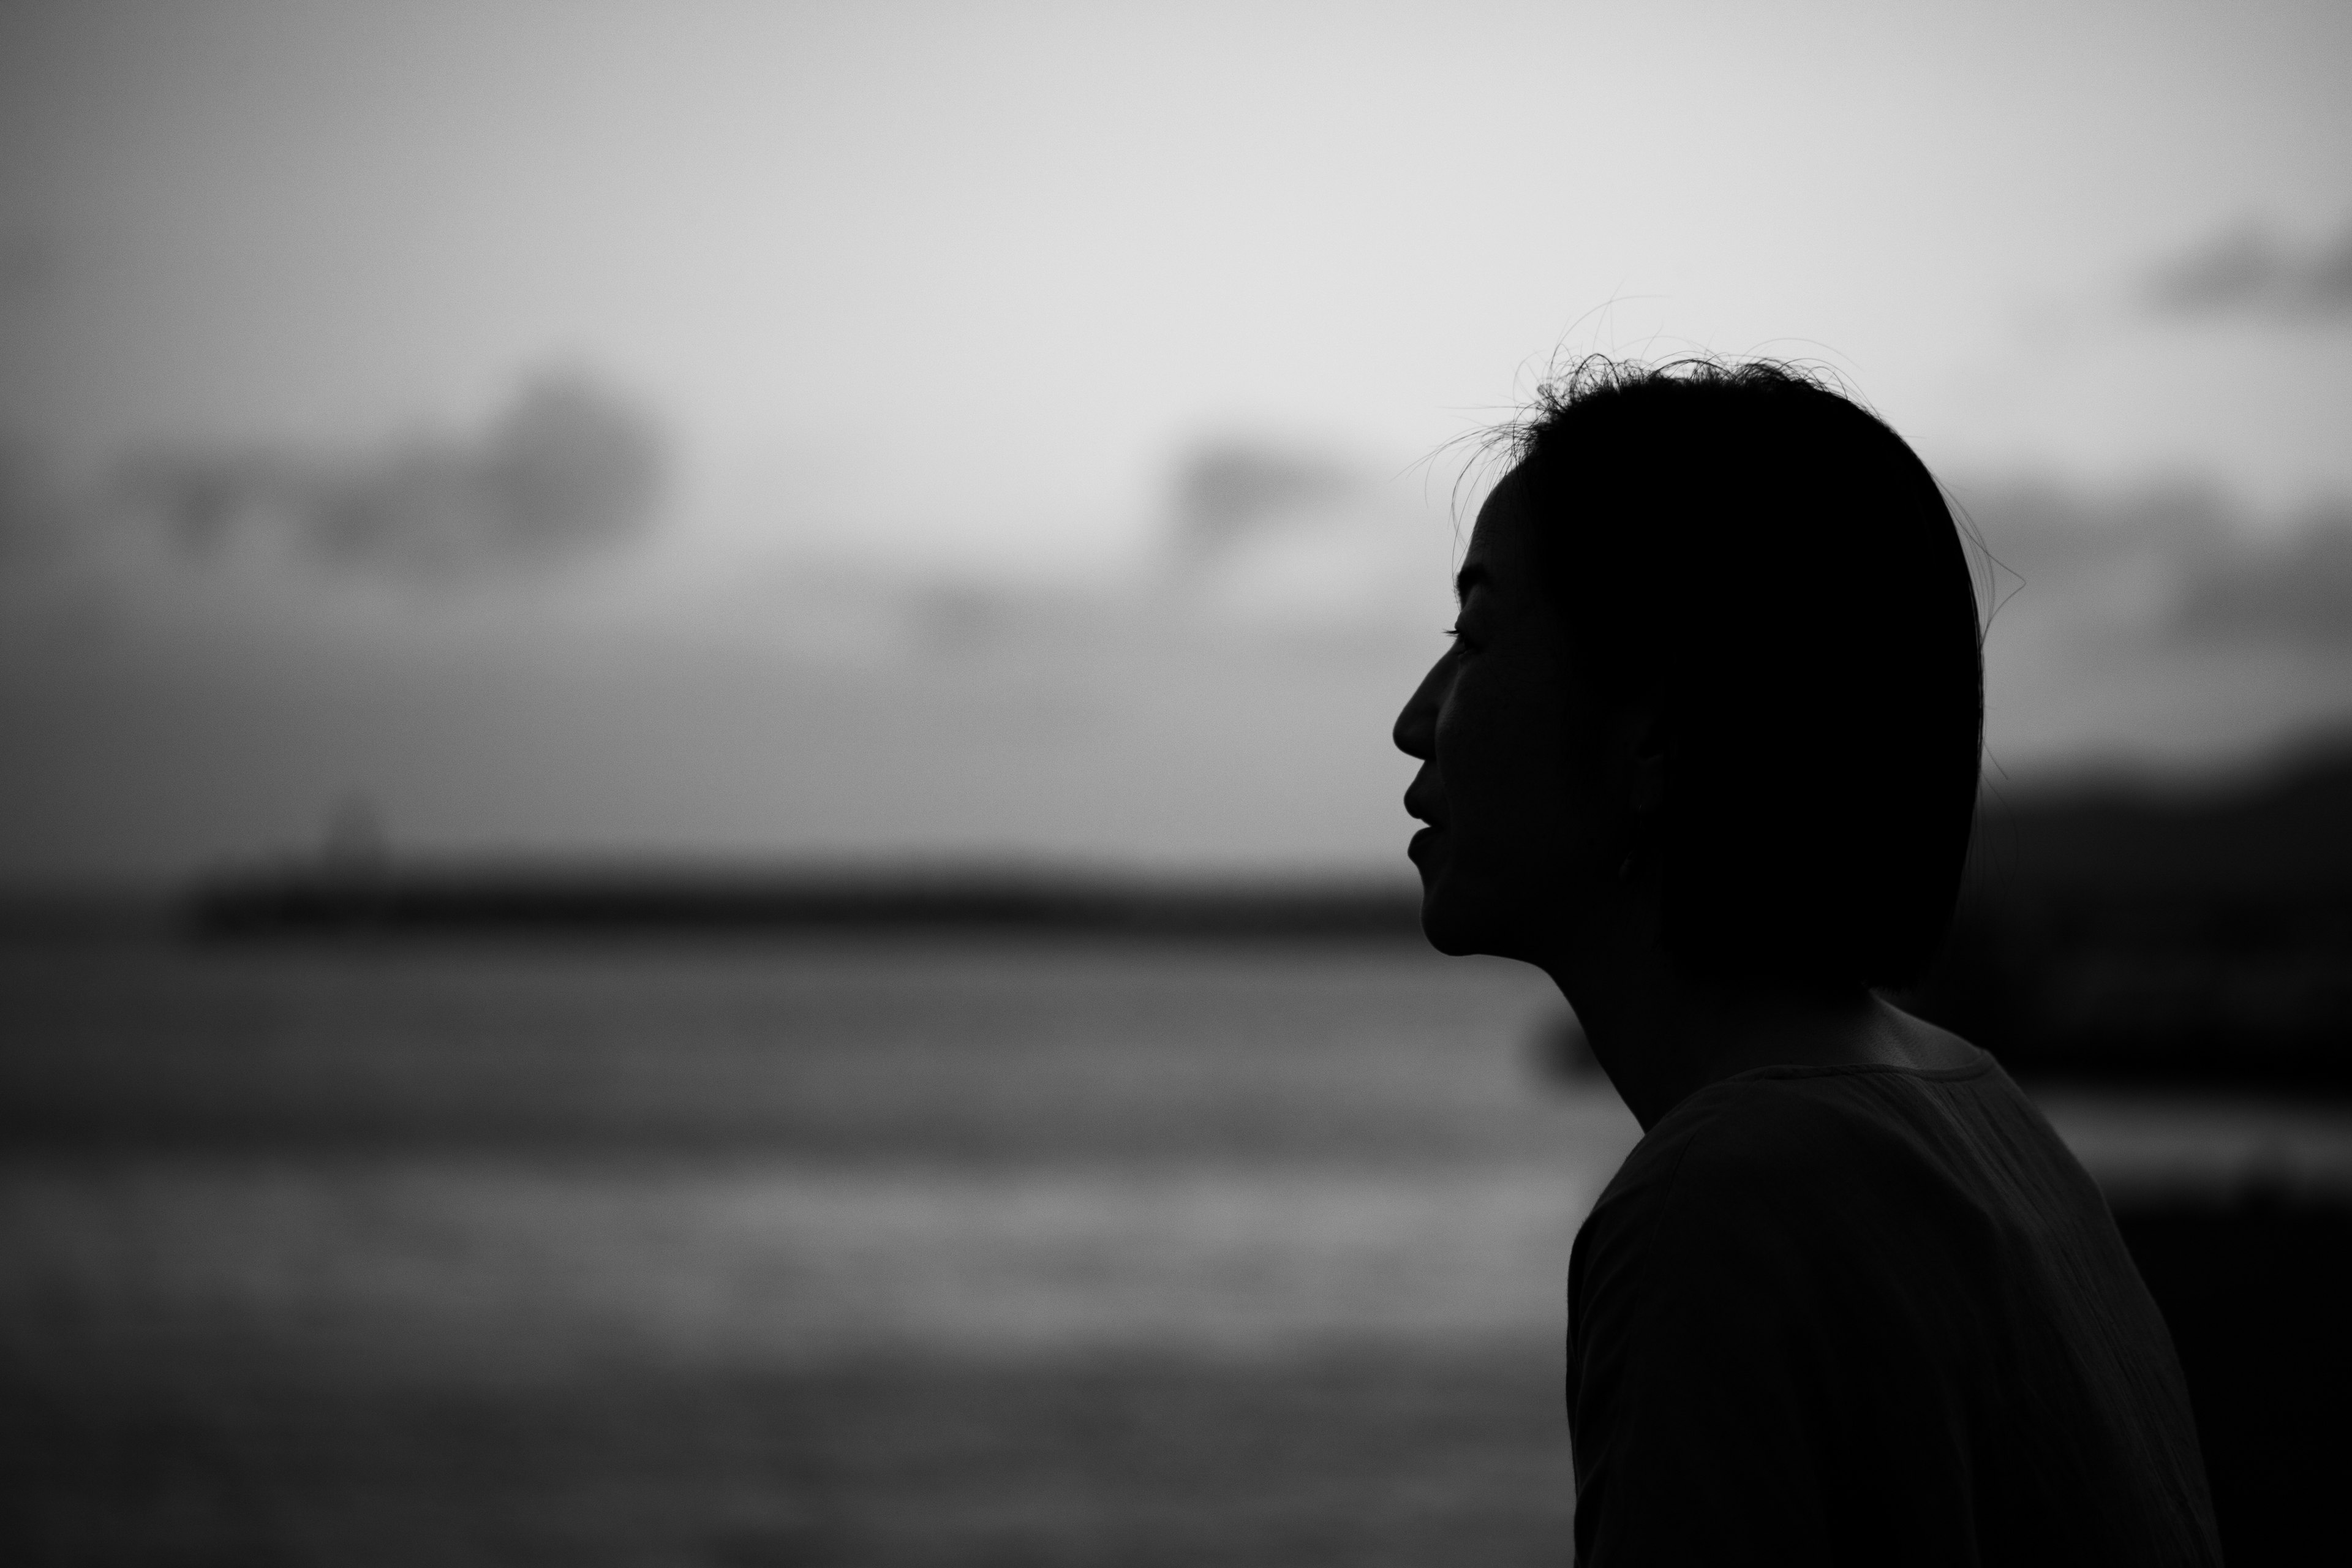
1750,1381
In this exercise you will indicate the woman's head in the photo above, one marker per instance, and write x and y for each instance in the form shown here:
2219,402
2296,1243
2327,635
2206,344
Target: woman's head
1719,629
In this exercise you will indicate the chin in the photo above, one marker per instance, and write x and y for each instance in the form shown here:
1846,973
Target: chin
1465,916
1448,926
1435,931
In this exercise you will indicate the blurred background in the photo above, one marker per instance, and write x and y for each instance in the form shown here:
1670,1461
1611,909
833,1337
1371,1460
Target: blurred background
698,859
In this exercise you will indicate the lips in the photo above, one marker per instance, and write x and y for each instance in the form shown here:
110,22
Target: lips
1425,811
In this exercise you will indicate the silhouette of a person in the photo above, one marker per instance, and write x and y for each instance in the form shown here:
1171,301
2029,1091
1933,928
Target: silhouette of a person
1705,749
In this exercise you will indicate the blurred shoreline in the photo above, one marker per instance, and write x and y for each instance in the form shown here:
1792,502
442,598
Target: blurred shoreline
2110,930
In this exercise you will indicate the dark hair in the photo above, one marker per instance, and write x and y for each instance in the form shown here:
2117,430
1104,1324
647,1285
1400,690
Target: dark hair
1780,572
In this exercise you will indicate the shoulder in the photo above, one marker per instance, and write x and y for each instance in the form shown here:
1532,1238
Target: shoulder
1783,1125
1743,1138
1774,1178
1723,1300
1721,1161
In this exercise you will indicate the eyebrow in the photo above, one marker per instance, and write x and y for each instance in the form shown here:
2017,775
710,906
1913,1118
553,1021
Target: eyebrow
1469,577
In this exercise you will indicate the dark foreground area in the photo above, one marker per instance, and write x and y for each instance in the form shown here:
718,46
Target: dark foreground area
877,1251
1417,1459
2258,1293
1423,1456
778,1252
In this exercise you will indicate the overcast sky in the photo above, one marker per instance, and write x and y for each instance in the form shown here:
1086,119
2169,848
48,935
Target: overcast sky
776,429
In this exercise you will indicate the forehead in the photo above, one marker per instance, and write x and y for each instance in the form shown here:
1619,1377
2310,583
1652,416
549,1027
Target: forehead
1498,560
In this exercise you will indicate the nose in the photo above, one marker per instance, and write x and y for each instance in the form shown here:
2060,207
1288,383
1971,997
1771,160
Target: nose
1416,728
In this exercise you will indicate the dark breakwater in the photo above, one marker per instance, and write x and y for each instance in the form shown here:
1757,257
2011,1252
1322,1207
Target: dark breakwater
2116,933
2197,937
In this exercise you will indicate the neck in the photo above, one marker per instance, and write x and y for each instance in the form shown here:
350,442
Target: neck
1661,1047
1662,1033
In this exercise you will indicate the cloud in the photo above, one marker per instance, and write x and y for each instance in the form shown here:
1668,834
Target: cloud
2180,564
2165,626
2249,272
1311,546
2296,592
1227,492
564,470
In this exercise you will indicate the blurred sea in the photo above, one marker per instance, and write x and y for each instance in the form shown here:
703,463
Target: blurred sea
808,1250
